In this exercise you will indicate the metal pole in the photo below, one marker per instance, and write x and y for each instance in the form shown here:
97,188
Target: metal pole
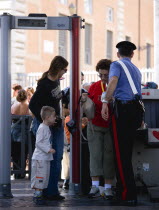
75,115
156,40
5,105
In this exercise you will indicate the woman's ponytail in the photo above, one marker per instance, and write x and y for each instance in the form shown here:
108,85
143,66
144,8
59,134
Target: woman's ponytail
44,75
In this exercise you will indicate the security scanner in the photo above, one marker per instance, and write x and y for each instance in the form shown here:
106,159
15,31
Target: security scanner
146,147
9,22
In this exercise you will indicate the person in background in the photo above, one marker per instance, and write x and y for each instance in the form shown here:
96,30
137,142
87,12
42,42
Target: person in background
48,93
65,173
126,119
86,86
19,108
15,89
30,92
150,85
99,138
82,77
66,159
42,155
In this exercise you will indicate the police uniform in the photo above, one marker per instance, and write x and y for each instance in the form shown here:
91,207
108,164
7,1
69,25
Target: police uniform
126,118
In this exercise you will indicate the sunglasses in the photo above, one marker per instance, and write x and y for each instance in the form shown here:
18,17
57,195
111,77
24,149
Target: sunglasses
103,75
65,70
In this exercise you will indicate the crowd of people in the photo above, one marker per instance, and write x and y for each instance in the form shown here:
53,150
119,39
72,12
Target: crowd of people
110,134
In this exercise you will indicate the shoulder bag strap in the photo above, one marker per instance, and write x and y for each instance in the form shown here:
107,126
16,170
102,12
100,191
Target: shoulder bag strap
132,85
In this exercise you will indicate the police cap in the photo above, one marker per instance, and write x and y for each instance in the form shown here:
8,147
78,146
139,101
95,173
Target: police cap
126,45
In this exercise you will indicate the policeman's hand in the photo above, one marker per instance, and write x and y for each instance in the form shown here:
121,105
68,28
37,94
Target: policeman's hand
104,112
52,151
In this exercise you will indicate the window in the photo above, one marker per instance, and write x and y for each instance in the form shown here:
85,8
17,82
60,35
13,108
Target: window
109,48
63,43
48,46
148,55
110,14
88,6
88,43
63,1
127,38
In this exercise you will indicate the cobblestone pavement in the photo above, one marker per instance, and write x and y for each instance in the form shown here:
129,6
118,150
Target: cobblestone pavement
23,200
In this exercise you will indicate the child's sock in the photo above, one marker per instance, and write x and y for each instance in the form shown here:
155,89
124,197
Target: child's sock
107,186
95,183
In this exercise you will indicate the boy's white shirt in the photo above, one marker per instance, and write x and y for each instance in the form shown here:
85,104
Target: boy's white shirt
42,145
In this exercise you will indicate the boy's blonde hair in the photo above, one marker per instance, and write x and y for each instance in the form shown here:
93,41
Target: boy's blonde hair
46,111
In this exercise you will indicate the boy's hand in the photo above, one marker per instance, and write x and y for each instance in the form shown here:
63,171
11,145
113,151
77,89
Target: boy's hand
52,151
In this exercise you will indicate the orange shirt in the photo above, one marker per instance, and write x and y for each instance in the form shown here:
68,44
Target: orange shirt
67,132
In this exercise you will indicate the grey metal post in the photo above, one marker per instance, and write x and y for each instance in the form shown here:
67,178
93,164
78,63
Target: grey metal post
8,22
5,99
156,40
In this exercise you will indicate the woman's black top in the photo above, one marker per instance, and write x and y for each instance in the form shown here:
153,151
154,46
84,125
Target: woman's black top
48,93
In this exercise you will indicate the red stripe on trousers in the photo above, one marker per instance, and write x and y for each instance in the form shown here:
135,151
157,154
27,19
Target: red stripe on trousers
119,163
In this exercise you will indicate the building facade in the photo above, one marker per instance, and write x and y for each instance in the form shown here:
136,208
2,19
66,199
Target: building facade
106,23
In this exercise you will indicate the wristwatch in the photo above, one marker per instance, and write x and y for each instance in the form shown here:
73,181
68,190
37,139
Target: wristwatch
104,101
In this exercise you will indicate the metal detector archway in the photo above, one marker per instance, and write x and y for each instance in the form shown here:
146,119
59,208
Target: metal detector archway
36,22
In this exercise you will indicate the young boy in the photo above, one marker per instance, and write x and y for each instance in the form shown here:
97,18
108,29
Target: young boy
42,155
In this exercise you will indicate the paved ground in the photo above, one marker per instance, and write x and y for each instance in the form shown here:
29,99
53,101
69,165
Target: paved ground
23,200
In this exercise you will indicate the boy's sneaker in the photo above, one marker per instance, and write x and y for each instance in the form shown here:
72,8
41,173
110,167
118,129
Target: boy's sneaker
94,192
39,200
108,194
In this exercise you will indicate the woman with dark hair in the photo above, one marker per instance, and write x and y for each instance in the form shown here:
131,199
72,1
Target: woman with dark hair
30,92
15,90
48,93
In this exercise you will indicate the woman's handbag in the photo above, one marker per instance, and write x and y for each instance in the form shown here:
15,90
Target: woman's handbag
88,108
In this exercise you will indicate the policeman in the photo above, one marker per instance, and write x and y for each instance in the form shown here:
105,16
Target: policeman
126,118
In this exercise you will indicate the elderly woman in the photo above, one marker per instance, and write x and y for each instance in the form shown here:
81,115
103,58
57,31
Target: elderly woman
99,138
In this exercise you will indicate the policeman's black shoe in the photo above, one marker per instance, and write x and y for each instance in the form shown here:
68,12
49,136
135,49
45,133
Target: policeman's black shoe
57,197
